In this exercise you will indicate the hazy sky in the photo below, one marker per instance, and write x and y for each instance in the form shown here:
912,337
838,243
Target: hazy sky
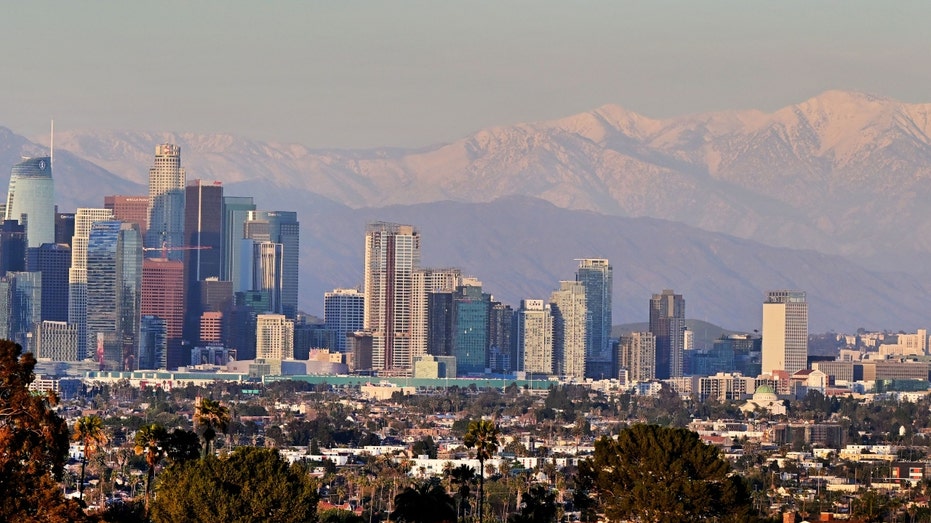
347,73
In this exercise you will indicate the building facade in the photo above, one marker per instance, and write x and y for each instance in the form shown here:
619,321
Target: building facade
274,337
84,218
163,296
785,331
597,276
667,323
571,322
31,199
166,201
343,313
637,355
533,337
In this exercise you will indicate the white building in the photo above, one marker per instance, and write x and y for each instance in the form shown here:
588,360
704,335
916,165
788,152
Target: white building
785,332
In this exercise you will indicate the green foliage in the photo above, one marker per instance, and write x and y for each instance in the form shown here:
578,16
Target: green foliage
426,447
427,502
250,485
335,515
660,474
33,445
482,435
182,445
537,505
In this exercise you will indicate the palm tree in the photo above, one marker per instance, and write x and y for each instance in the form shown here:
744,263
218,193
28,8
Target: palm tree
482,435
462,476
150,441
90,432
427,502
210,414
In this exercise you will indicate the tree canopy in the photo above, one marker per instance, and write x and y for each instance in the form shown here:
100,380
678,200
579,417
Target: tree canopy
250,485
661,474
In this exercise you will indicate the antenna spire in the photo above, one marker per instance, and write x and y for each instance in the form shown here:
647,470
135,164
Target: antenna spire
51,147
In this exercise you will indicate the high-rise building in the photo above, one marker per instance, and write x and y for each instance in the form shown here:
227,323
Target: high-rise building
392,252
53,260
64,227
268,272
440,323
470,327
12,247
343,313
129,209
235,212
596,275
426,281
215,296
57,341
533,337
31,199
211,328
163,296
114,280
501,356
77,274
203,235
153,344
274,337
667,323
282,228
23,307
166,201
785,331
637,355
571,322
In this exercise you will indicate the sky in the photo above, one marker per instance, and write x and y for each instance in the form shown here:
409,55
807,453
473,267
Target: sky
355,74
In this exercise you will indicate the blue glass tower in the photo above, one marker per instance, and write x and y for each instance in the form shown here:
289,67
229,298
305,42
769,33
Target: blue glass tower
30,199
470,338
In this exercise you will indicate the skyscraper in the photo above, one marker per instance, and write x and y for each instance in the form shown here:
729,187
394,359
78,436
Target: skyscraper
501,356
283,228
596,275
23,308
470,325
203,233
77,274
53,260
235,212
268,273
274,337
166,201
785,331
130,209
637,355
343,313
153,346
12,246
31,199
667,323
392,252
533,337
163,296
571,322
114,280
64,227
425,282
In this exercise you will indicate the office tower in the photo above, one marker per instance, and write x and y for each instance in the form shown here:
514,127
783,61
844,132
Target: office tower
64,227
440,323
57,341
392,252
23,306
31,199
114,280
153,343
203,234
77,274
533,337
343,313
268,273
12,247
785,332
470,320
211,328
570,329
166,201
667,323
215,297
53,260
274,337
130,209
501,357
596,275
637,355
424,282
282,228
235,212
163,296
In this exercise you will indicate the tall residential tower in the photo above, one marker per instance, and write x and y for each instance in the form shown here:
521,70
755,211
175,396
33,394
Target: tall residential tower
785,331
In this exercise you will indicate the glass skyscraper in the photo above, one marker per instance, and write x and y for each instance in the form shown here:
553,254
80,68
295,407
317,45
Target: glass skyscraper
114,281
282,228
31,199
166,201
470,327
596,275
667,323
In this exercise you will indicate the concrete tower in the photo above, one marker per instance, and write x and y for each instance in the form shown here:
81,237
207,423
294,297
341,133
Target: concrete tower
77,274
667,323
534,337
571,322
392,252
785,331
166,201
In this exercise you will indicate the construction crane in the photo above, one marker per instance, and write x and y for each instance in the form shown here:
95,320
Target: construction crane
165,248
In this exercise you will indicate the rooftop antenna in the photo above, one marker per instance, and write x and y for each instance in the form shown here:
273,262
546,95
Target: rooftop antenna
51,147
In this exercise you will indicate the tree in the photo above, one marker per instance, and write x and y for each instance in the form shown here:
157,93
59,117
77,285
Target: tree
89,431
661,474
182,445
424,503
463,476
249,485
150,442
538,505
210,415
33,445
482,435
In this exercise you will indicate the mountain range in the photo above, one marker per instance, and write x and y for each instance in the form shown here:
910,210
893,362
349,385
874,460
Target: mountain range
827,196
